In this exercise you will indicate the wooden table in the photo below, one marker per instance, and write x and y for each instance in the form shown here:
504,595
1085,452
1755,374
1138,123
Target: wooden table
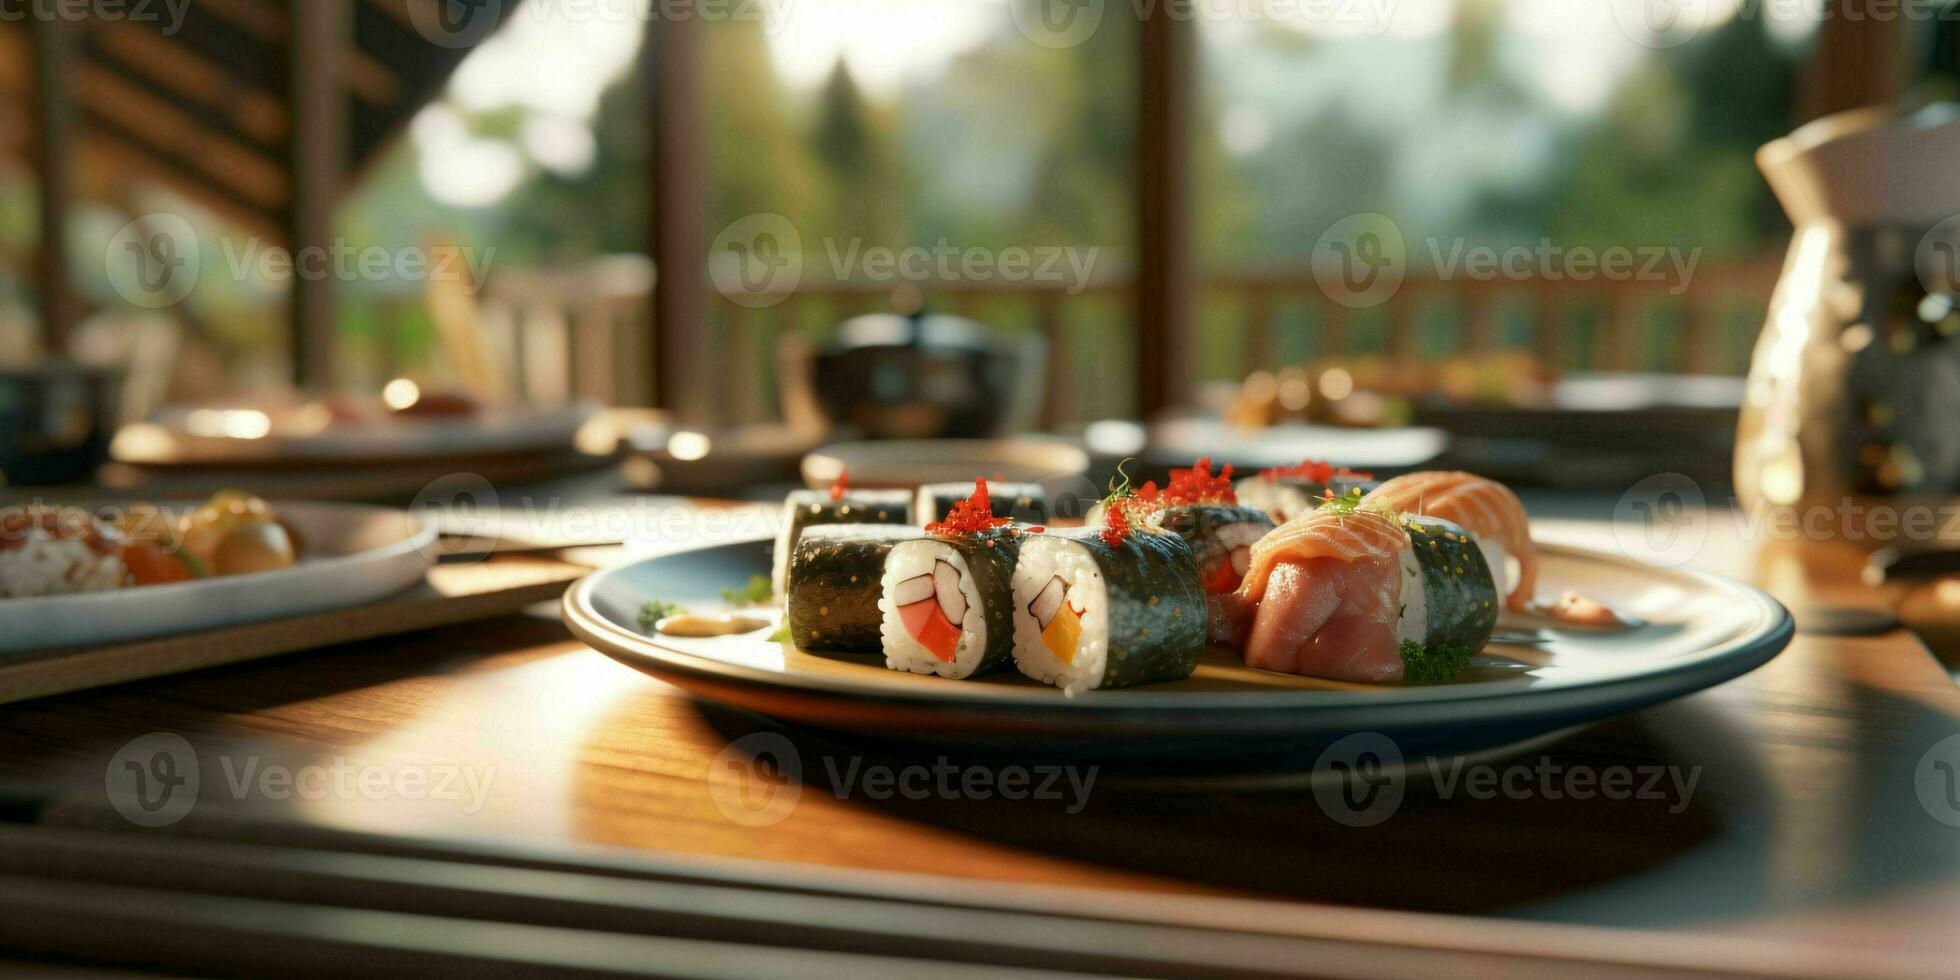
1803,848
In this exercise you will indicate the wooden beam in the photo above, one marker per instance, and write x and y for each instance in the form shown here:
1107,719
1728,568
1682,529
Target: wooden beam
682,355
1859,61
1165,281
321,35
56,41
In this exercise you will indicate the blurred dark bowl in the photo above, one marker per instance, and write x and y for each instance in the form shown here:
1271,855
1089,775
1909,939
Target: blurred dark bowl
926,376
56,420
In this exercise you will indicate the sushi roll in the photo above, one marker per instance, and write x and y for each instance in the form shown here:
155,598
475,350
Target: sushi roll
1205,511
1026,502
945,599
835,575
1287,492
1094,610
838,505
1221,537
1359,595
1487,509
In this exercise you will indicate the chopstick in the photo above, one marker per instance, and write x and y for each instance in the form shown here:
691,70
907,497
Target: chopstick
218,933
722,913
1005,925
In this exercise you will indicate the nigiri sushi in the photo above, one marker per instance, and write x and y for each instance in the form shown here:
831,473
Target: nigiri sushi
1487,509
1359,595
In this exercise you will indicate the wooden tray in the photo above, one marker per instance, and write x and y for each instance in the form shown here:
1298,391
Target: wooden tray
451,594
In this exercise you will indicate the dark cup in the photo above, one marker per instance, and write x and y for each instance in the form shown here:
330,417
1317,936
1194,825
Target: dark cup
56,420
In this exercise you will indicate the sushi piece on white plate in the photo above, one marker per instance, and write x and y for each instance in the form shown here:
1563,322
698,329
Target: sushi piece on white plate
1025,502
1360,595
1107,607
837,505
1487,509
1206,512
946,599
1286,492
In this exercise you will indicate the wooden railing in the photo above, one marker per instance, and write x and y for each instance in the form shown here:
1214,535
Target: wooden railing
593,324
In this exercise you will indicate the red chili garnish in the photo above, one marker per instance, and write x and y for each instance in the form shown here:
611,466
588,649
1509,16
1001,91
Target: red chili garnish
1197,485
842,486
1116,523
973,515
1038,529
1314,471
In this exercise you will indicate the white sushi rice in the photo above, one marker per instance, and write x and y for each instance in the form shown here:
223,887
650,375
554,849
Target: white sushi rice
1413,623
1503,567
47,565
779,568
1234,537
909,560
1043,559
1281,501
812,504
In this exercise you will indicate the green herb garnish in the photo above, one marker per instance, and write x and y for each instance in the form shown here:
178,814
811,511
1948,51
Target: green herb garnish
781,635
1346,503
655,611
1436,663
758,591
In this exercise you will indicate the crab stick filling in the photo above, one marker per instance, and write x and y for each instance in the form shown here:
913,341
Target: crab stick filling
1060,622
1229,573
932,609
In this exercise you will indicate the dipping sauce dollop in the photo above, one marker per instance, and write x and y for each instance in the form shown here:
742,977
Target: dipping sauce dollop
691,626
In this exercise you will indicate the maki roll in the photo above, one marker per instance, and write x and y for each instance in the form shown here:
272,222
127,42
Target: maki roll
1287,492
1221,537
835,575
1026,502
1205,511
838,505
1487,509
945,599
1358,595
1095,609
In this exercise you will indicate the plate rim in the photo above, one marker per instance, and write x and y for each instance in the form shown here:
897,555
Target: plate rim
421,537
1758,643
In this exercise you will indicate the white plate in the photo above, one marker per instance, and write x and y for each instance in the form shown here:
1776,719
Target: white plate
354,555
1697,629
166,441
908,463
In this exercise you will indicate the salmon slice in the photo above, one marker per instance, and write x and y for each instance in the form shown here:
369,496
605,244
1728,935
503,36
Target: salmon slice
1333,566
1330,618
1485,508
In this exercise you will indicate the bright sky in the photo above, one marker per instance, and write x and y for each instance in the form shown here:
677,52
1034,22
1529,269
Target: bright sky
556,58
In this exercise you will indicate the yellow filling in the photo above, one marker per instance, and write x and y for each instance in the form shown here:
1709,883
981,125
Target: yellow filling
1064,634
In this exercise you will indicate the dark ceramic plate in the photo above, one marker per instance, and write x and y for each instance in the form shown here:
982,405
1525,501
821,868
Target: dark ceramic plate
1696,630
